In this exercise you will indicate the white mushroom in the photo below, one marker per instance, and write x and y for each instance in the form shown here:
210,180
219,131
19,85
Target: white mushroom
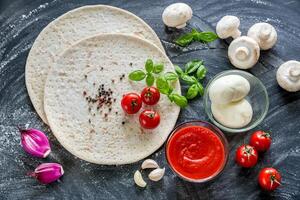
243,52
233,115
228,26
228,89
288,76
177,14
264,34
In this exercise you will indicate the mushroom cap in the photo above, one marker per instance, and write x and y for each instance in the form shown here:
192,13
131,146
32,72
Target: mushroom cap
228,26
243,52
288,76
177,14
264,34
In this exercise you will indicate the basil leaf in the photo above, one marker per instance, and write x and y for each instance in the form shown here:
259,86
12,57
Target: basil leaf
178,70
192,66
178,99
159,67
192,91
188,79
150,79
171,76
184,40
205,36
149,65
200,89
137,75
162,85
201,72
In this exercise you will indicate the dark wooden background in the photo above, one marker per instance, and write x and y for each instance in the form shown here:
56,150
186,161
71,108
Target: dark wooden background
22,20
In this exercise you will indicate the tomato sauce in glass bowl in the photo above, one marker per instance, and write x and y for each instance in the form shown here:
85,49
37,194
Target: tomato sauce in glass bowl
197,151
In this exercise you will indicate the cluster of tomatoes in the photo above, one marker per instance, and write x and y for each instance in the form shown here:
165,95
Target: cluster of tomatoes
247,156
132,103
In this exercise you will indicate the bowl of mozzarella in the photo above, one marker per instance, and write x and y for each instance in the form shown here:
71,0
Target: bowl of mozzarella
236,101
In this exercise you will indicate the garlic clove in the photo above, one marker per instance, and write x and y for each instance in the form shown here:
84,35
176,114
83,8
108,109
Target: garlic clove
48,172
157,174
138,179
35,142
149,163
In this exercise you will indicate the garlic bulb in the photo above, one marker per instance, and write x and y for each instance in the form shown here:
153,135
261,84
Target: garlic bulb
149,163
264,34
48,172
138,179
288,76
243,52
35,142
176,15
156,174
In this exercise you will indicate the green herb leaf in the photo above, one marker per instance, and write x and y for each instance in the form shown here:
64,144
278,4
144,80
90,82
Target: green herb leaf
184,40
171,76
159,67
162,85
188,79
137,75
150,79
178,99
200,89
149,65
192,91
205,36
201,72
178,70
192,66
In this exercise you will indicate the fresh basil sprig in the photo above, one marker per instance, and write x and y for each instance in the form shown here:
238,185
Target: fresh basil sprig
162,81
193,72
195,35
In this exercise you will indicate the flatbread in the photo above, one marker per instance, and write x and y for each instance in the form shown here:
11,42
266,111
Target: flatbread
87,133
69,28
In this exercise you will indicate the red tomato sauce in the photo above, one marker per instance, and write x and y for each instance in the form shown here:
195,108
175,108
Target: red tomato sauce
196,152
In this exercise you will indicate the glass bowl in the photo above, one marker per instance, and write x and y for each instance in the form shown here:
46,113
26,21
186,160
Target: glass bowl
257,97
216,131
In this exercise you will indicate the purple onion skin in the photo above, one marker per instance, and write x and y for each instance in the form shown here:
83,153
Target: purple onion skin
35,142
48,172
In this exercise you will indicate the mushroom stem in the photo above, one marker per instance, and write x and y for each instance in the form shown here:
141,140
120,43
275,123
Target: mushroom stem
236,34
294,71
265,32
181,26
242,53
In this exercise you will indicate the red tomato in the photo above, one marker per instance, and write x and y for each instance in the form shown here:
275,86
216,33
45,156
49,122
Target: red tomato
150,95
260,140
269,178
246,156
149,119
131,103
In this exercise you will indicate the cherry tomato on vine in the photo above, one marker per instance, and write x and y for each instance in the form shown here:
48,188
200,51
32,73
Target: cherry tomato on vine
131,103
246,156
150,95
149,119
269,179
260,140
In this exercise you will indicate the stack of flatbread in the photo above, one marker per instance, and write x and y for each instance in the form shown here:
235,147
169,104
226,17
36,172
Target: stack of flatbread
89,52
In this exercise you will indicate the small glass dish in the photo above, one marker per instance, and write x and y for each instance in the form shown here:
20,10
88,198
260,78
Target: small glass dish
257,97
216,131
